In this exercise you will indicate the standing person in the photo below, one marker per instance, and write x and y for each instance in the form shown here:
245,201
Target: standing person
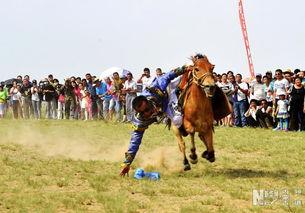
257,89
301,74
100,90
82,101
107,99
36,100
49,96
67,90
228,90
60,100
19,77
86,105
16,100
268,90
297,105
281,112
115,104
51,78
289,77
281,85
3,98
146,79
56,95
240,101
232,79
77,108
90,87
26,97
130,88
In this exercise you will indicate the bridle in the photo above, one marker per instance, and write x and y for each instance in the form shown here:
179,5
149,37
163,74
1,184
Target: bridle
199,80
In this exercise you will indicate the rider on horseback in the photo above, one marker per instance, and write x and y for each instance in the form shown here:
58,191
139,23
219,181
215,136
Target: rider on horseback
151,106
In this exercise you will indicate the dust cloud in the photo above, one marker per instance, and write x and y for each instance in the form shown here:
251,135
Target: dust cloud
58,143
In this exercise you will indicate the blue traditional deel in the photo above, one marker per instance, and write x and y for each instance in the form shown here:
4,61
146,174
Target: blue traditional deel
156,93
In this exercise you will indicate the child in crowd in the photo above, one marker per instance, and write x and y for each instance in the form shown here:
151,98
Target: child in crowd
281,112
61,105
86,104
82,102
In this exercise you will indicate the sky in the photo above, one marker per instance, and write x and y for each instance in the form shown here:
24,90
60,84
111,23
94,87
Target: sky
75,37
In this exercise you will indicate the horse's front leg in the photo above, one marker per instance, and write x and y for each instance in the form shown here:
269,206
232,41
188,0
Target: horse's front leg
193,155
207,138
186,164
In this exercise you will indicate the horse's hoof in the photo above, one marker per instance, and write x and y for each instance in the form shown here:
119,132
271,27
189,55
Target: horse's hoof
194,161
210,156
194,158
187,167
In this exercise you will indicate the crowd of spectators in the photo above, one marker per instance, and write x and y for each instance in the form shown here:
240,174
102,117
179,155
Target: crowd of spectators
85,98
268,102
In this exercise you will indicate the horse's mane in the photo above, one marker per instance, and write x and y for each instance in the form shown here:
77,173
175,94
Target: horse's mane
198,56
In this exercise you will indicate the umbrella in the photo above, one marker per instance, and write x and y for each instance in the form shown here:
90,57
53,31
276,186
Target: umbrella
109,72
9,82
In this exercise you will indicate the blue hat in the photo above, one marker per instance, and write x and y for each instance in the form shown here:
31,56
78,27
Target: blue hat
139,174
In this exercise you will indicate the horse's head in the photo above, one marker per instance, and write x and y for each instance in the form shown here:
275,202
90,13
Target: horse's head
203,74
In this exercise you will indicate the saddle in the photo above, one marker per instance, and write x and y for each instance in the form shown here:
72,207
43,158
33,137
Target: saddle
220,104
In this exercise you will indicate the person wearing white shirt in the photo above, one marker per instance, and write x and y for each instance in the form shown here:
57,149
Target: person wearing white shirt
281,85
257,89
146,79
227,88
240,101
35,100
16,100
130,88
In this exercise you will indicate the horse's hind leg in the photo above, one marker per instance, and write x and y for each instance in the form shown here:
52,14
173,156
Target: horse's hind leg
193,155
181,144
207,138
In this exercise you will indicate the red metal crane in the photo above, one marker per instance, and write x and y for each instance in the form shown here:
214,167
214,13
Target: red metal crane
245,35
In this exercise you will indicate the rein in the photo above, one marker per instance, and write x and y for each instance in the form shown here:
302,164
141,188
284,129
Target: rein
200,80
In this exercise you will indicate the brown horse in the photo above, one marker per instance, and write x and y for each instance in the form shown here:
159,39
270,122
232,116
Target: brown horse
198,109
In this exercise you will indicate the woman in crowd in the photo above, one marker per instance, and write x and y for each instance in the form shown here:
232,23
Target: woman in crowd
77,94
36,100
16,100
82,92
86,105
297,107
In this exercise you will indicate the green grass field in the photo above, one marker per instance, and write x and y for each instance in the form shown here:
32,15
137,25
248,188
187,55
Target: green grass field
73,166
